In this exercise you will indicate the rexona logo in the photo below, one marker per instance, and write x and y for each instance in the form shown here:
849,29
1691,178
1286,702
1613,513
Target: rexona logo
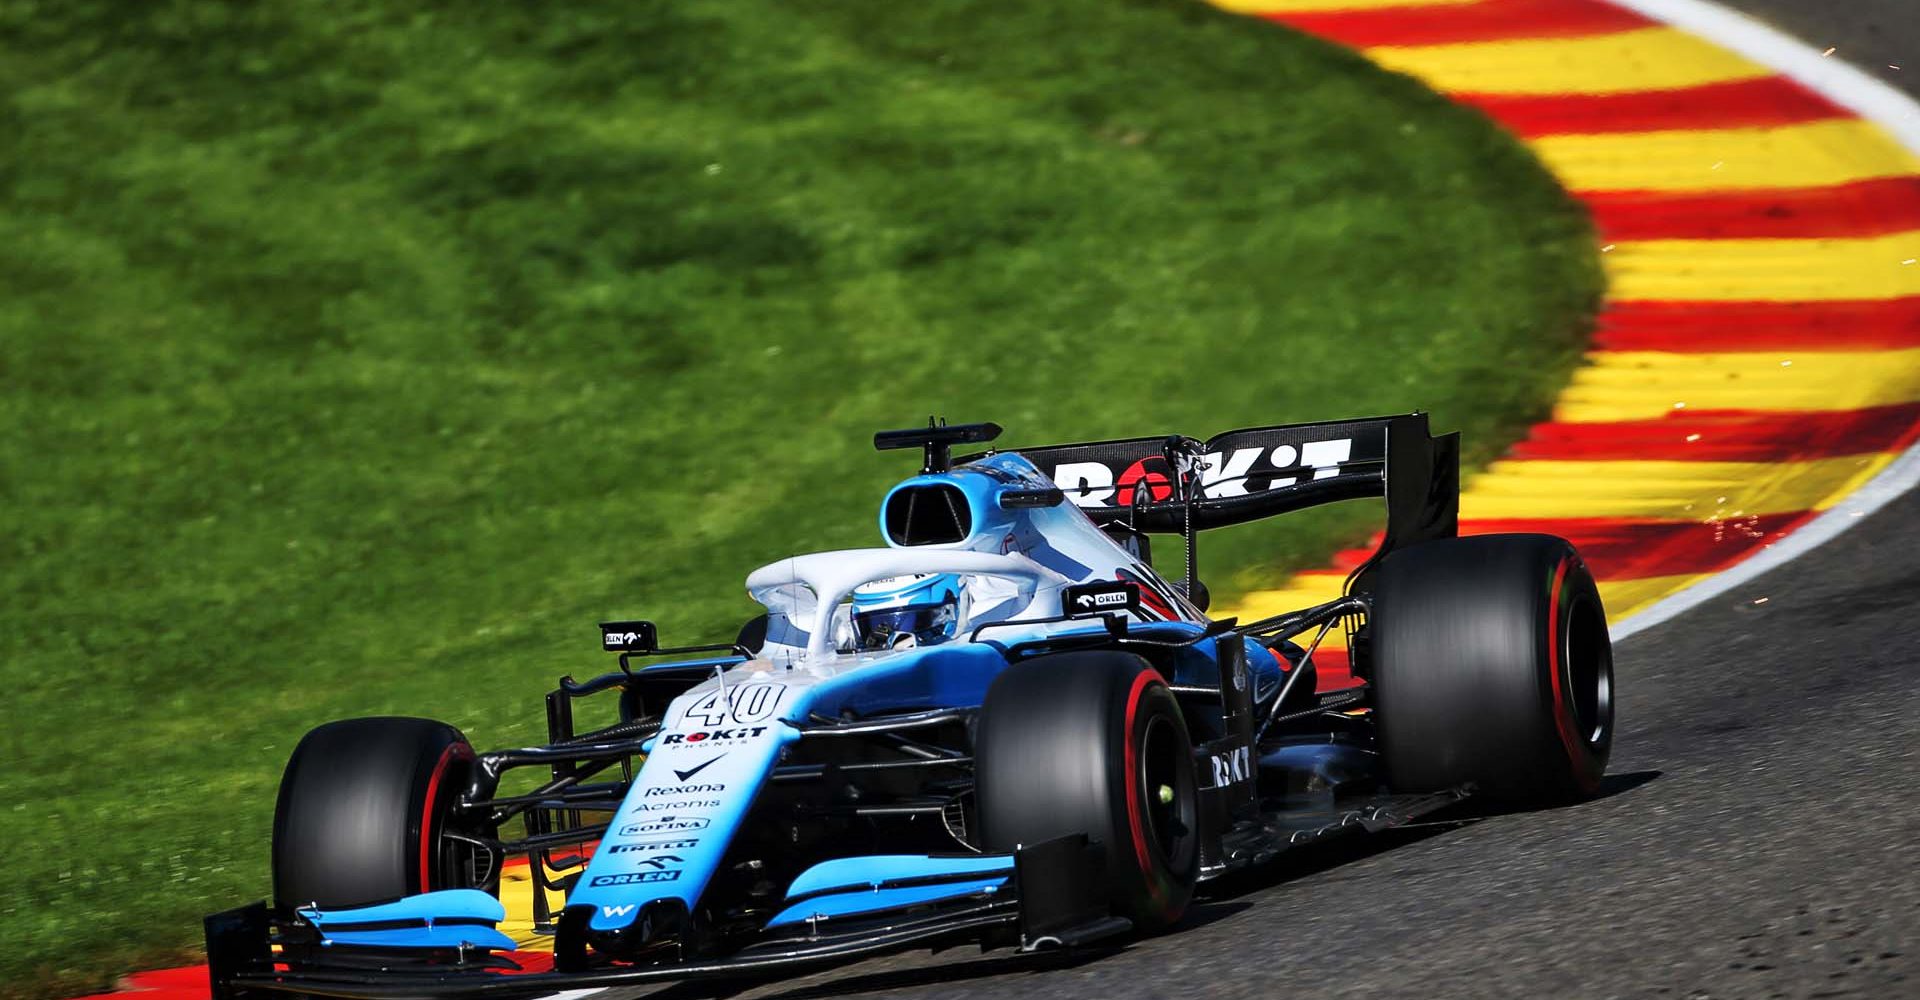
1234,473
685,790
635,878
696,769
654,845
664,824
1231,767
707,737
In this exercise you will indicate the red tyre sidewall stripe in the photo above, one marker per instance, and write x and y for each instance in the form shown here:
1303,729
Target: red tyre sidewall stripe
1562,706
458,751
1136,824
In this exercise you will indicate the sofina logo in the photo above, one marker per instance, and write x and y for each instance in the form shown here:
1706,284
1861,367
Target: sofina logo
665,824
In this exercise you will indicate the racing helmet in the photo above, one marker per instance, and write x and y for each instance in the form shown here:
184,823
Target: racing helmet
925,607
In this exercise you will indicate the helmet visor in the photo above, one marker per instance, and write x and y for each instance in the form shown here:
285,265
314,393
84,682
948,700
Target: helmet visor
927,623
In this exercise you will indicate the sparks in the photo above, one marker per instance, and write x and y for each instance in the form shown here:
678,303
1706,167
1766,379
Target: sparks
1693,437
1762,600
1830,51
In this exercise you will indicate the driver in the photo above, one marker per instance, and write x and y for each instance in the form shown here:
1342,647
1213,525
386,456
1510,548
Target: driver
919,610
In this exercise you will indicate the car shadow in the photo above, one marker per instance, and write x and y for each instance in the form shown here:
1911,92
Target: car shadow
1218,900
1610,786
1002,963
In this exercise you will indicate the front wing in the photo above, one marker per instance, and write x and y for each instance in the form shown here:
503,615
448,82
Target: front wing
1054,896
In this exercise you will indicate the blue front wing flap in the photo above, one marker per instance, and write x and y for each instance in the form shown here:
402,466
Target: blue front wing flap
864,886
451,918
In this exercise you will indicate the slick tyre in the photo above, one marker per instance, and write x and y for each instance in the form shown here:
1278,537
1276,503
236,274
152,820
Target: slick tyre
1491,665
364,812
1093,743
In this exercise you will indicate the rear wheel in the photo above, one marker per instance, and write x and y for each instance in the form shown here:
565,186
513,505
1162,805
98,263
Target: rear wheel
1492,665
365,815
1093,743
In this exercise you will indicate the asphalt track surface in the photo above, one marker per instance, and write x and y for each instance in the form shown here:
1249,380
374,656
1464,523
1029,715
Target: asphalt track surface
1760,836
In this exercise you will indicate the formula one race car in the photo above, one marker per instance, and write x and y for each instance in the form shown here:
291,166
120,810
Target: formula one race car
1005,727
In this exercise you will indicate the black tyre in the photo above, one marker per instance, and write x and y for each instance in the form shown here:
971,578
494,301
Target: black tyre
364,812
1094,743
1492,665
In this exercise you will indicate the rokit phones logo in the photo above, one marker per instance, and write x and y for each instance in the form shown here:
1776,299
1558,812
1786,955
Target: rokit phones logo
710,737
1222,474
1231,767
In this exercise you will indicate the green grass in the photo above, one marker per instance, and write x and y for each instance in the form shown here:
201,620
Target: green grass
358,357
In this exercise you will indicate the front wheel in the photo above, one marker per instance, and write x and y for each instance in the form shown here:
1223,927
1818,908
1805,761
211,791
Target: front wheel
1492,665
365,815
1093,743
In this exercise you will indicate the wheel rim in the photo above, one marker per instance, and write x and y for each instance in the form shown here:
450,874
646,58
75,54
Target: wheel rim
455,856
1166,782
1589,665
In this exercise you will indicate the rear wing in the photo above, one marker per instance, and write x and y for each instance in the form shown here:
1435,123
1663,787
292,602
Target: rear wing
1178,485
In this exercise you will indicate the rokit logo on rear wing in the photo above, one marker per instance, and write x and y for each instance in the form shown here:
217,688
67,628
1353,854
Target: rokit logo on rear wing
1226,473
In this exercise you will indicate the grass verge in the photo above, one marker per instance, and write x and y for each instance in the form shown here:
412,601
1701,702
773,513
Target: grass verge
357,357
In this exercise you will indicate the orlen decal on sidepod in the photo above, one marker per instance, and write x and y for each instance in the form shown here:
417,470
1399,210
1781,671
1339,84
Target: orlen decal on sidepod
689,797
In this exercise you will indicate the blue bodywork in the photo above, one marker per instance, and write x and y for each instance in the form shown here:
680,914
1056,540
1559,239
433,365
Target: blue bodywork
446,919
728,734
721,740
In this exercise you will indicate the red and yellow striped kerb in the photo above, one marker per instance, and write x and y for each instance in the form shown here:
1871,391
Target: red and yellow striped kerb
1758,357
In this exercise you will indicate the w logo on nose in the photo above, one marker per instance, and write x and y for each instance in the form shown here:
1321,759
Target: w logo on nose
616,911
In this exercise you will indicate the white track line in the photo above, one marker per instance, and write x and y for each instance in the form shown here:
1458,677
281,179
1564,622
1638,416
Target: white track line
1873,100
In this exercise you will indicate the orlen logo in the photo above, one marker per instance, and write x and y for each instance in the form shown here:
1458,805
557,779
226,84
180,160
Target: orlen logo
634,878
1094,484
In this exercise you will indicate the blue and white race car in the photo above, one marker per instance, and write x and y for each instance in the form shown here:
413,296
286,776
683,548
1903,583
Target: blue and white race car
1005,726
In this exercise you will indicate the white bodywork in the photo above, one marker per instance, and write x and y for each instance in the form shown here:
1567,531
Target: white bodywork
805,592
